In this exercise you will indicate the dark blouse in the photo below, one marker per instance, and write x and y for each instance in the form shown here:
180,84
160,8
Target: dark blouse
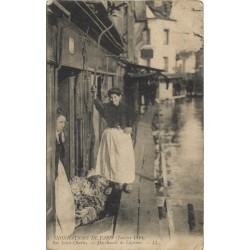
60,153
121,115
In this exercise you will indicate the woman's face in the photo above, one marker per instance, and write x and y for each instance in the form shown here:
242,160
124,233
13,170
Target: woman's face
60,123
115,99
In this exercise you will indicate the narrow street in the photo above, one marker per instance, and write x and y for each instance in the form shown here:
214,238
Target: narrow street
173,213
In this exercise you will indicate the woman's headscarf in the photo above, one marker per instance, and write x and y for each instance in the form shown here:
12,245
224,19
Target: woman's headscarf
116,91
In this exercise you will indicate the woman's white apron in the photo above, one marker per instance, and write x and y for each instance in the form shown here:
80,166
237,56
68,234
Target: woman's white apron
116,160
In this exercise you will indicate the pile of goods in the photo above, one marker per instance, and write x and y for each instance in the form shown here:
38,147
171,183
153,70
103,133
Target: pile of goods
89,195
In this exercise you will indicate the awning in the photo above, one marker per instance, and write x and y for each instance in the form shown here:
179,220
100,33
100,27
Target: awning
136,68
140,71
179,75
141,74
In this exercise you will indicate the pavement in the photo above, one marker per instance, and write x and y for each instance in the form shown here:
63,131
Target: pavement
138,214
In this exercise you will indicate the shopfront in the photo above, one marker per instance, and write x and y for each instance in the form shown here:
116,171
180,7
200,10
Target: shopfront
75,63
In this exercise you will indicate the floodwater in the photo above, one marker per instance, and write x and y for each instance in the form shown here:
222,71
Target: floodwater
184,119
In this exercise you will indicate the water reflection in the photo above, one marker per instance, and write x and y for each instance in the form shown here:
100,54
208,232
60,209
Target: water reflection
184,117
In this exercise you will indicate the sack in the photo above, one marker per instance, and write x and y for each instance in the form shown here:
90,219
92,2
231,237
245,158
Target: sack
65,206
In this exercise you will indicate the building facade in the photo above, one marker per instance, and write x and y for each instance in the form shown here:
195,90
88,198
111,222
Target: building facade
86,41
158,48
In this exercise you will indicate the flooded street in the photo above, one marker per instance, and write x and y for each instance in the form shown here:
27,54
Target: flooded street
184,118
181,140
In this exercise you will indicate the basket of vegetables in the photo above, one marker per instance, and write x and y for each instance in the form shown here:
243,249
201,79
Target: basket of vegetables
90,197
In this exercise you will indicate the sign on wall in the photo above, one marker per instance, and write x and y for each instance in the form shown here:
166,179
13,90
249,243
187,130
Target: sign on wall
147,53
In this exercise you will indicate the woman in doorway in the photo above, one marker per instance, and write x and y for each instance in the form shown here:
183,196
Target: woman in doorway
115,160
65,206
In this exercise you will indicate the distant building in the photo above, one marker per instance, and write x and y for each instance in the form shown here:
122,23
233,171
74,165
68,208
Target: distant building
158,48
189,67
186,62
199,71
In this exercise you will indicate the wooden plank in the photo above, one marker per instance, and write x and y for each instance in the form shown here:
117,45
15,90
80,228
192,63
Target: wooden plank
72,125
50,153
164,170
50,41
138,214
170,218
180,218
149,218
164,229
127,221
199,221
128,214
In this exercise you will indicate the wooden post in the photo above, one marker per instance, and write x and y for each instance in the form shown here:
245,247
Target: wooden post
80,123
163,168
71,125
137,97
50,149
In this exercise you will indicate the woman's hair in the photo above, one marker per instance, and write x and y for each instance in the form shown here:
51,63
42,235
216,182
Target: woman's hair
116,91
60,112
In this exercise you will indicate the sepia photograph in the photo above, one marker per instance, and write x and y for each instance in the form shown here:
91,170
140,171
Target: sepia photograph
124,125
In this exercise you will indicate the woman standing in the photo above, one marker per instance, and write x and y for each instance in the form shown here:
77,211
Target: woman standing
65,206
115,160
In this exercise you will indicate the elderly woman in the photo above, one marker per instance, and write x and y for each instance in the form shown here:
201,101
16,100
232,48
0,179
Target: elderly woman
65,207
115,160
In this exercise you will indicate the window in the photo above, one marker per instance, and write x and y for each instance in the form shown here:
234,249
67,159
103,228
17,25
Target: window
166,36
165,63
147,36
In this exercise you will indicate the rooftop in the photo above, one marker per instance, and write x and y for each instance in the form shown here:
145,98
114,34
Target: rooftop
162,11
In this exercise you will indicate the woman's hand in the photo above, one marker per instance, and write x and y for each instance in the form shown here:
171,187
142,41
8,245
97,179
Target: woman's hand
128,130
94,91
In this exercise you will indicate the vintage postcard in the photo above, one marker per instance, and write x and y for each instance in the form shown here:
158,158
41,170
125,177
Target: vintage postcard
124,94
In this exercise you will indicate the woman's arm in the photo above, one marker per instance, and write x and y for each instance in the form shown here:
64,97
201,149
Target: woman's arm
99,106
